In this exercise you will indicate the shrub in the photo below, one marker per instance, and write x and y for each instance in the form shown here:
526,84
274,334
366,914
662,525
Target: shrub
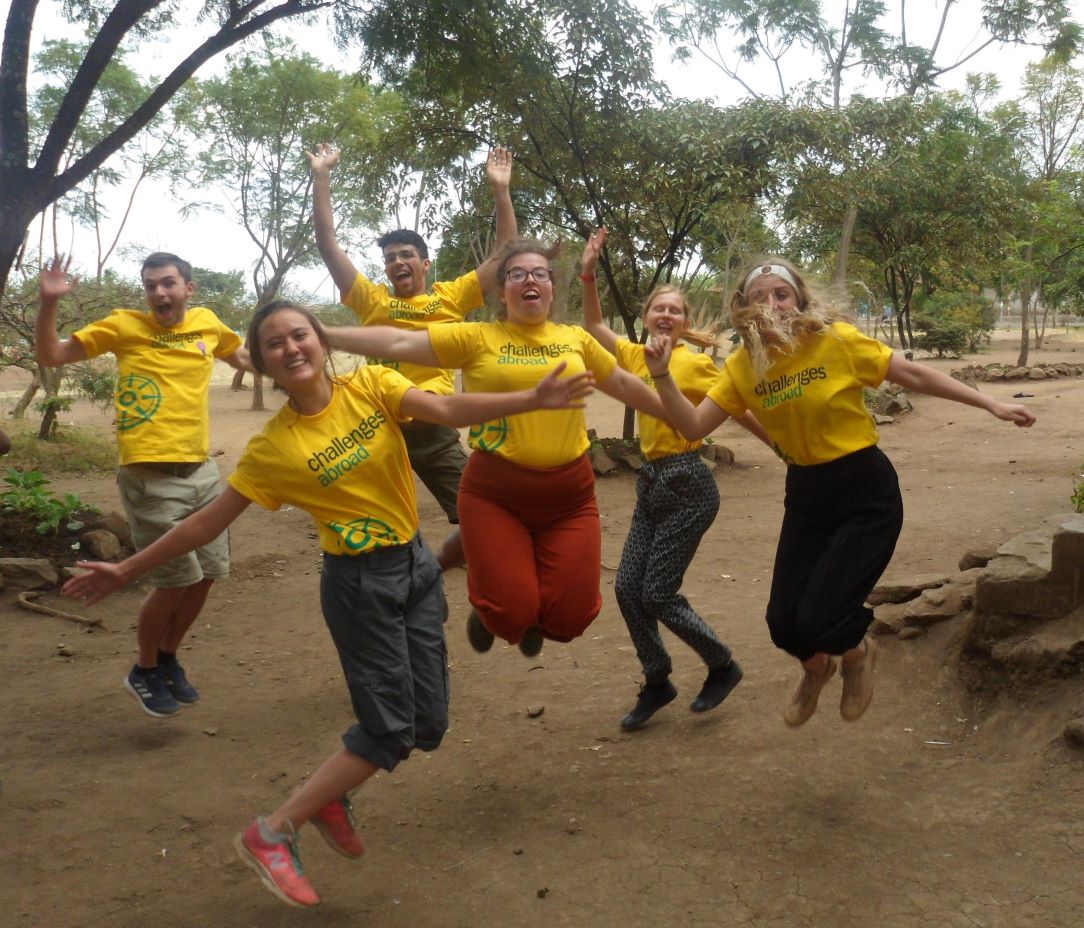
1078,491
951,322
28,492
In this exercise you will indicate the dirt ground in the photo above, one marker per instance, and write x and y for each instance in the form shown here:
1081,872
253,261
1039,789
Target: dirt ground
936,809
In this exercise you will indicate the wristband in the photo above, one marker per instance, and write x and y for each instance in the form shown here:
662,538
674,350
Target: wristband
660,376
587,277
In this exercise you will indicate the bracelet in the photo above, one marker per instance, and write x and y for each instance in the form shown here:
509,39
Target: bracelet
587,277
660,376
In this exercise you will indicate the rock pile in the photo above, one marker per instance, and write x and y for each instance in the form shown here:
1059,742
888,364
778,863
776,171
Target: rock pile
978,373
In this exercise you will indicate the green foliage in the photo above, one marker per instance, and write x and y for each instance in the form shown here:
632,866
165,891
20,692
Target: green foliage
1077,498
72,450
952,322
28,492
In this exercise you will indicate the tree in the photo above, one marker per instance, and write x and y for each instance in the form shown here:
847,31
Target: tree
257,122
33,175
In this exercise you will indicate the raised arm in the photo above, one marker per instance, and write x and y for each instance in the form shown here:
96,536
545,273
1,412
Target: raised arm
499,175
460,409
338,263
198,529
592,308
694,422
382,341
241,360
632,391
50,349
923,379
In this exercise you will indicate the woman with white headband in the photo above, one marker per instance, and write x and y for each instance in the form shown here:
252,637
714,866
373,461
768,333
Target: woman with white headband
801,370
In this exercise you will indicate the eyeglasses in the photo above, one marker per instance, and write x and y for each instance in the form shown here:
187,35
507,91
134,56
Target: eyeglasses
519,274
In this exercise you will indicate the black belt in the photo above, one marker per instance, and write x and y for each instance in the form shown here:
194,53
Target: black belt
171,468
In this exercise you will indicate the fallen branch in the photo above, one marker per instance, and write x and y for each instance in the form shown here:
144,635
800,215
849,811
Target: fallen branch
26,600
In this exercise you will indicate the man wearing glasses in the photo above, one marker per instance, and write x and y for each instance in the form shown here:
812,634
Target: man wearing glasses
435,453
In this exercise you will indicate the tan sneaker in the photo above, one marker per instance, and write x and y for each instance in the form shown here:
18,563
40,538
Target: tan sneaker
803,701
858,683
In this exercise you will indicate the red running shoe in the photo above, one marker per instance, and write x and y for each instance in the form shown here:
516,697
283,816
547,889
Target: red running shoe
277,864
336,824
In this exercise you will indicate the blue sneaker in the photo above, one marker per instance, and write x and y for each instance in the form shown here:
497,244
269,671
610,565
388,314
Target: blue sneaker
150,692
176,682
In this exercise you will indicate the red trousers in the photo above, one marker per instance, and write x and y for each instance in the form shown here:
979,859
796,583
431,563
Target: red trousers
533,544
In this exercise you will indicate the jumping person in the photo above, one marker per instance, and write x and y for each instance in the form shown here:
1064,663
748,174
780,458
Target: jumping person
336,450
164,362
802,368
435,452
676,502
530,521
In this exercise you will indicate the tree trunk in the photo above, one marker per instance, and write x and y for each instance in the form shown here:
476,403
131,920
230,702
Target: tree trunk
844,254
19,412
1025,325
238,381
257,394
628,425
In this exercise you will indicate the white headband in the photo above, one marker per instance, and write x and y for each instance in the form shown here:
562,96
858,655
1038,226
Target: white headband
765,270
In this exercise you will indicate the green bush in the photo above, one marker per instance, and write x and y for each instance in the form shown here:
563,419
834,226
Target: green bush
28,492
951,322
1078,491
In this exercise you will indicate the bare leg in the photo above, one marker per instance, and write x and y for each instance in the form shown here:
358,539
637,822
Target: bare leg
335,777
818,663
165,617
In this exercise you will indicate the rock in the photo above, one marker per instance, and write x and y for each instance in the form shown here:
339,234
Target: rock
1074,732
1036,374
934,606
882,420
534,712
977,557
28,573
902,591
633,461
711,465
116,523
600,461
708,452
1016,373
911,632
724,457
102,545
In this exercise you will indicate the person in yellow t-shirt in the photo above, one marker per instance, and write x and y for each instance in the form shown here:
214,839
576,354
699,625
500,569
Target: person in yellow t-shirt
801,369
164,361
529,517
435,453
336,450
676,502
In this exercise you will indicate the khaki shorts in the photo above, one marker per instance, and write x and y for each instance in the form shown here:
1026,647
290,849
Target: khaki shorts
438,459
155,502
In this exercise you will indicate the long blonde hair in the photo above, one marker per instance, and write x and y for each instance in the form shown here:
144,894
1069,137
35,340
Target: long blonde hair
695,332
816,312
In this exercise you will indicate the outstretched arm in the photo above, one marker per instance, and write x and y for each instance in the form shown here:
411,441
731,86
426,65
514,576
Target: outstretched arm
499,174
194,532
923,379
459,409
592,308
241,360
338,263
50,349
383,341
752,425
632,391
693,422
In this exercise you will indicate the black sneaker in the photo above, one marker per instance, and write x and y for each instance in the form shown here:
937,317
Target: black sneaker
653,696
480,637
720,681
150,692
531,643
176,682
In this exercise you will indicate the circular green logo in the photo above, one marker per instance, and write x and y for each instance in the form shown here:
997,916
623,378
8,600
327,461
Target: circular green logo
365,533
489,436
138,399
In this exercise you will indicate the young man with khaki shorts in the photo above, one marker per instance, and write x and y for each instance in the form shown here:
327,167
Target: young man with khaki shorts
164,362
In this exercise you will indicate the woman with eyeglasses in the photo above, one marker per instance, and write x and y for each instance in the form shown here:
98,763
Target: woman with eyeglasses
527,504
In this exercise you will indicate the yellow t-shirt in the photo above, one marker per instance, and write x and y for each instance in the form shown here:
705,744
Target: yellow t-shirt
811,401
500,357
162,380
693,372
374,304
346,466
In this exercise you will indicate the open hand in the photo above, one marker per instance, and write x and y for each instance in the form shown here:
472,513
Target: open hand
553,392
55,281
499,167
323,158
592,250
101,579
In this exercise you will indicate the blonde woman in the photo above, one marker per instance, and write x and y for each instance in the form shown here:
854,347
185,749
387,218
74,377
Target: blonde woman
802,369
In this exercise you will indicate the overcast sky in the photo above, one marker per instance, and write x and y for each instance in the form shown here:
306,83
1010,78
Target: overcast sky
215,241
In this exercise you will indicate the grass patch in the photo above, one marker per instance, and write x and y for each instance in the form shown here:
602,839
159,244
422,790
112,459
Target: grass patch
71,451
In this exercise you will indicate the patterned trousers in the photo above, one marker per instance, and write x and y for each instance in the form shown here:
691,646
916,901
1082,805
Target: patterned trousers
676,502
